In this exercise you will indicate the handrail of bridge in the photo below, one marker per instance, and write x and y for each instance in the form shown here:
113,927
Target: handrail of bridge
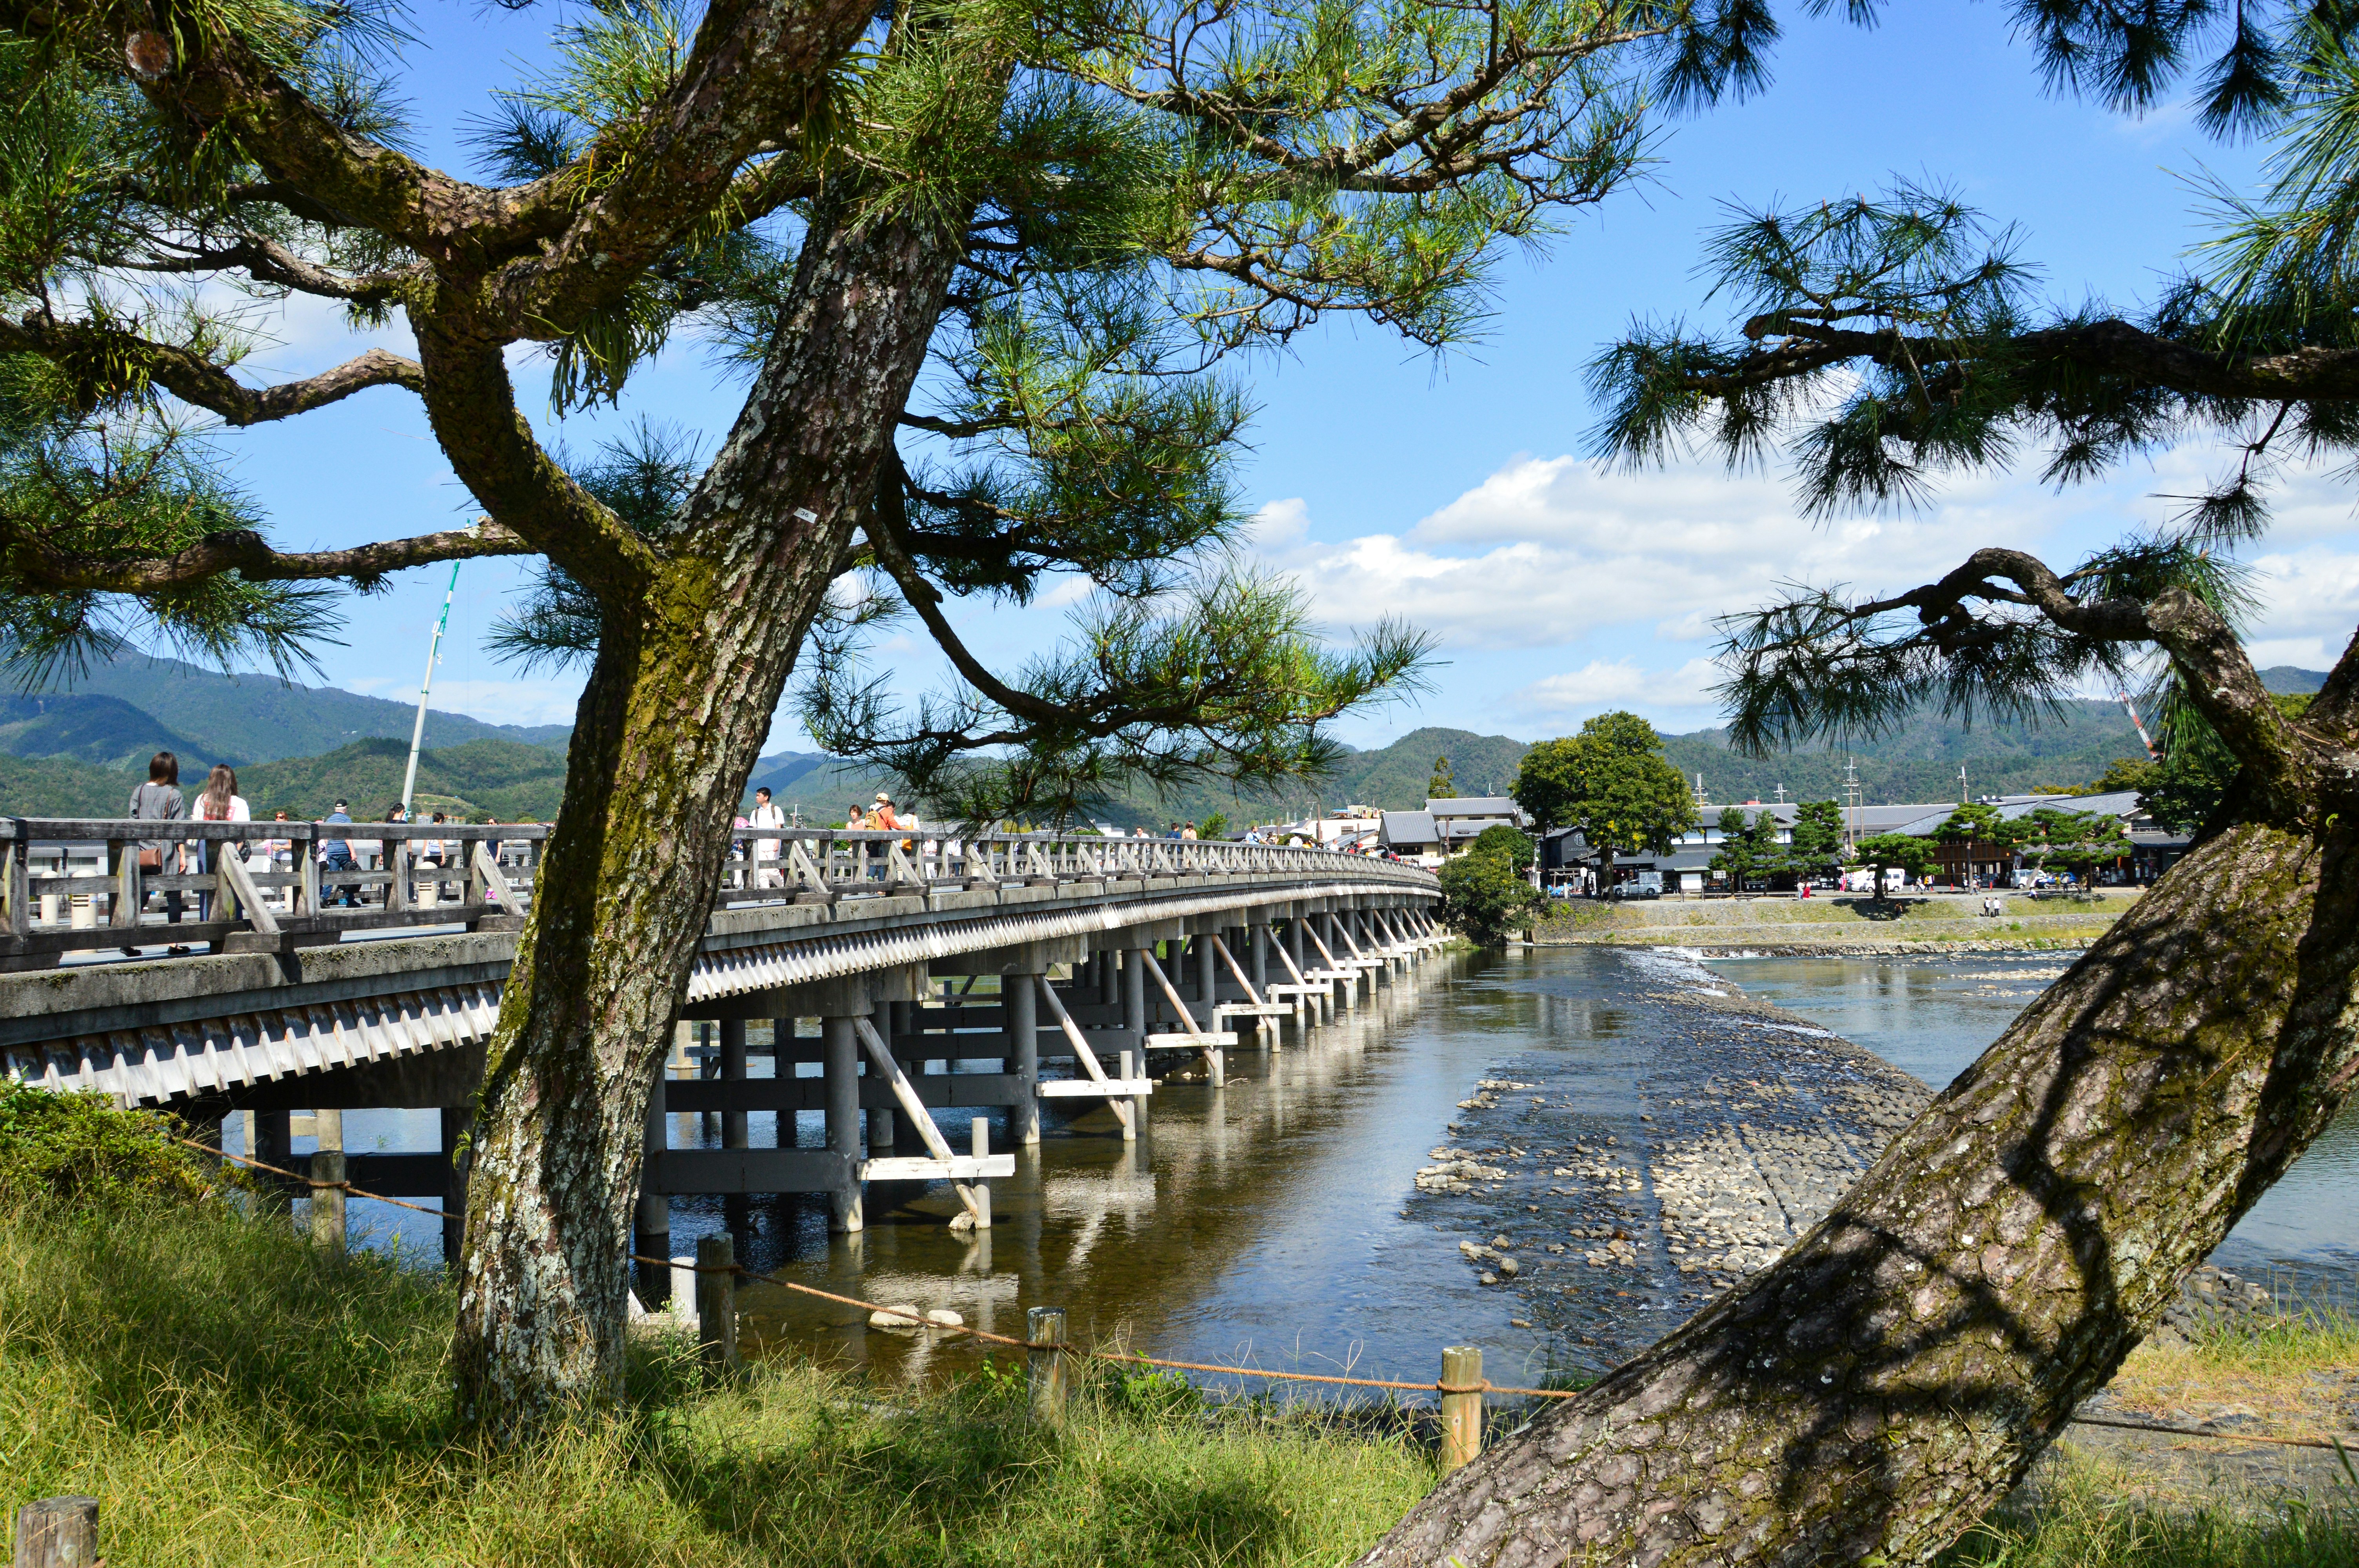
285,883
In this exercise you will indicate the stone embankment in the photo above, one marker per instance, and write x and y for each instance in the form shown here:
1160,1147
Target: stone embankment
1781,923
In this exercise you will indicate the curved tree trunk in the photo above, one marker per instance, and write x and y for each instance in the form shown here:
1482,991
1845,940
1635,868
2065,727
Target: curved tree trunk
676,707
1900,1368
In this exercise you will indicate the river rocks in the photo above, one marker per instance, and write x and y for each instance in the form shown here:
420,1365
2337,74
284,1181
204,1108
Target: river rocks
1457,1171
1509,1268
901,1317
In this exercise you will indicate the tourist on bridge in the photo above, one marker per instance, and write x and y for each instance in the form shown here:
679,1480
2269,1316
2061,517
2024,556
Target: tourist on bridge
854,818
158,800
767,851
880,816
336,856
220,802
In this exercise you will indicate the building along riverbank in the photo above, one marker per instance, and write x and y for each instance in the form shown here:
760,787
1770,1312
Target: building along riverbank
1842,922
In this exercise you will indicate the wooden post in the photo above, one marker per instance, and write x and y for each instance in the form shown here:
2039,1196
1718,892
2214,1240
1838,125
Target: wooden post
982,1127
328,1202
1045,1332
840,1062
1208,993
57,1533
717,1303
1461,1412
327,1166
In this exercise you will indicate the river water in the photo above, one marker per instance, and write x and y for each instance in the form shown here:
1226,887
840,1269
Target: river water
1275,1222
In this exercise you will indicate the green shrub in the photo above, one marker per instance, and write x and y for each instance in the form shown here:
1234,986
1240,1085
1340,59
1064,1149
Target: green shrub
83,1150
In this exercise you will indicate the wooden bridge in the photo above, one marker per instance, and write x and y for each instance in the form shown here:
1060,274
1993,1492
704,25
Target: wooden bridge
902,975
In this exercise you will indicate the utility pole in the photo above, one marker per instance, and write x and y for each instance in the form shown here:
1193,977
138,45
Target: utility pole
1851,806
417,731
1964,798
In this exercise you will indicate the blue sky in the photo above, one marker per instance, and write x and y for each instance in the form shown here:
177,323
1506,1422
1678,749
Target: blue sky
1450,492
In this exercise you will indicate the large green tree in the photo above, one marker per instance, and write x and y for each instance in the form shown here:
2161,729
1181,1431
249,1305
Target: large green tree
1749,849
1612,782
979,265
1906,1362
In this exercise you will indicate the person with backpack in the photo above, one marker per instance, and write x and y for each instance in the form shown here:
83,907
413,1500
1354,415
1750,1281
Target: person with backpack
336,855
159,800
767,852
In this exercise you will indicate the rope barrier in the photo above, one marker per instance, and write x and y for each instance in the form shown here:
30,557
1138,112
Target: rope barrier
919,1320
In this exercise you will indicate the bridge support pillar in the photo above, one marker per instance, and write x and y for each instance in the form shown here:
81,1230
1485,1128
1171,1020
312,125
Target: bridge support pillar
1133,1018
891,1021
1109,982
732,1070
839,1064
274,1144
1020,995
651,1226
1350,984
455,1123
1208,996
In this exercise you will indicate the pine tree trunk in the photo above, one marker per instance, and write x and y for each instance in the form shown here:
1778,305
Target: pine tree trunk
1900,1368
677,704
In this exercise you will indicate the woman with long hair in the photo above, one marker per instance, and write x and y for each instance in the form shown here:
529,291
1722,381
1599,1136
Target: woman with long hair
158,800
219,802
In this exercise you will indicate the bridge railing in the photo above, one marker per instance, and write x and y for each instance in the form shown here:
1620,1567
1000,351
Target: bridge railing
72,883
770,863
81,883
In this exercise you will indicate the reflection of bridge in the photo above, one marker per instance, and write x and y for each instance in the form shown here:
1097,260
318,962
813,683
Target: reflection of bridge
939,974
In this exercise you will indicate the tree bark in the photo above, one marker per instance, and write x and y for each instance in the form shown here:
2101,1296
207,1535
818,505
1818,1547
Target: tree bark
677,704
1875,1391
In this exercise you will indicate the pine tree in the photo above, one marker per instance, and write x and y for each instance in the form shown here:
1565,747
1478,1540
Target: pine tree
983,269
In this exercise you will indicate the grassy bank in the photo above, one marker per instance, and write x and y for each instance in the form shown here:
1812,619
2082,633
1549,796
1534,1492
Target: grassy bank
1840,924
234,1396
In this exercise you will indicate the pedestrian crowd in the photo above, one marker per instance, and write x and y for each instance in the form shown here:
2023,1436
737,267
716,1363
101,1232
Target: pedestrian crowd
344,860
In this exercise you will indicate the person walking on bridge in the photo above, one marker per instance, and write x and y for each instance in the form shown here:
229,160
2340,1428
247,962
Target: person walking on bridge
159,800
767,851
336,856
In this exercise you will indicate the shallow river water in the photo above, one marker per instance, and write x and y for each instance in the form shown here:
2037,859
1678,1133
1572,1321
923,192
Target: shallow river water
1276,1222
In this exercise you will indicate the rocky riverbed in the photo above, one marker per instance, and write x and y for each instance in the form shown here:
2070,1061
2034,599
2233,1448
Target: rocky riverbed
1605,1193
1612,1191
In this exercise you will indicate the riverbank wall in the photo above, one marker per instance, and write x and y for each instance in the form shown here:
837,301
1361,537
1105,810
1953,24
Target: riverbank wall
1781,923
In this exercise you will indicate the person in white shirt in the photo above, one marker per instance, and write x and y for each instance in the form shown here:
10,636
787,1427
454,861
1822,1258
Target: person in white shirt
767,851
220,802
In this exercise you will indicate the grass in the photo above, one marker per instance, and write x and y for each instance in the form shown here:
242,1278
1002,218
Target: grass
234,1396
237,1397
2272,1370
2084,1518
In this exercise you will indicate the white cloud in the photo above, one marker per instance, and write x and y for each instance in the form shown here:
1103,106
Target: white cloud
1547,551
493,701
1598,685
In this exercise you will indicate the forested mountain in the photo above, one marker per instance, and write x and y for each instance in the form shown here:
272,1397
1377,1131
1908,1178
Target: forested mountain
119,713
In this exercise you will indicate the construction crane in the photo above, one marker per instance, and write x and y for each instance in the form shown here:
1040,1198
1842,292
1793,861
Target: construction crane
2152,753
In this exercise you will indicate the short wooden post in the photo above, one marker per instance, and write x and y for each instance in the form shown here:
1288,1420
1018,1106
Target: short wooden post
1462,1411
1045,1332
982,1132
716,1301
328,1202
1137,1102
57,1533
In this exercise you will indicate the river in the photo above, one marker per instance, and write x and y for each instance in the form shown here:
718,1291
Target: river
1275,1223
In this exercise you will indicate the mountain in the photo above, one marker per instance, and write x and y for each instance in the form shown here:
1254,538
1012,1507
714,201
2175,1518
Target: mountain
54,786
234,718
498,778
2292,681
104,730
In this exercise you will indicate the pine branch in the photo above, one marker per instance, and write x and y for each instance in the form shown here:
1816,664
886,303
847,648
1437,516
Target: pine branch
129,359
